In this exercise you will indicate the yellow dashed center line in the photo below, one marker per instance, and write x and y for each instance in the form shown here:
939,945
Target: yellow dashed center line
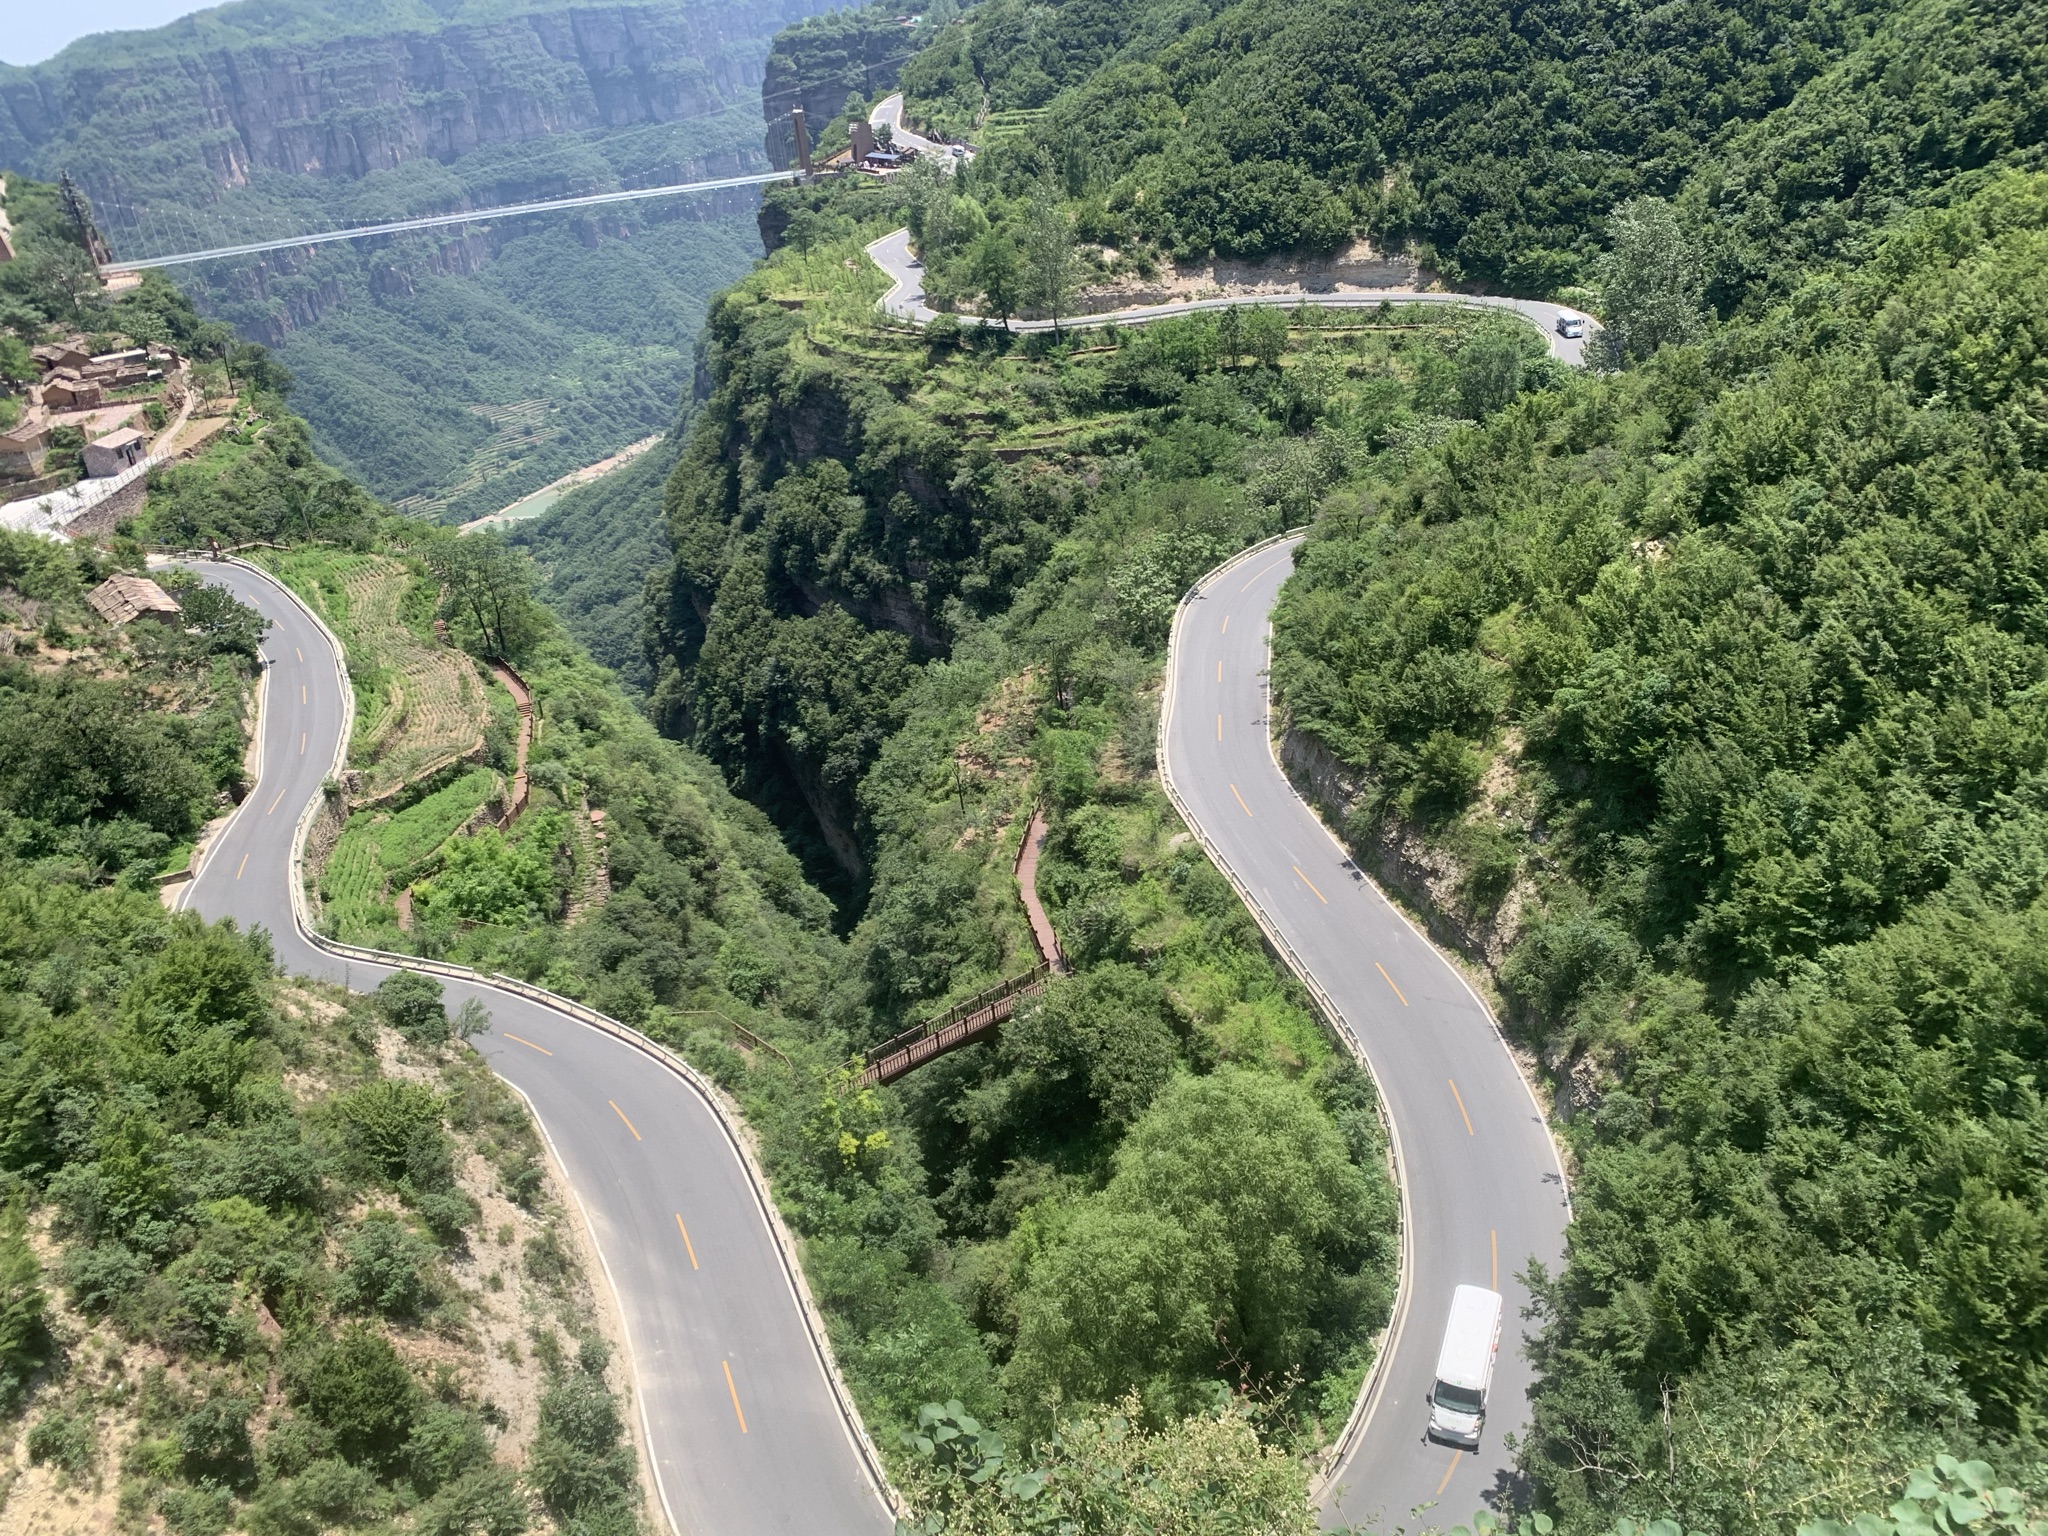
687,1247
1219,671
1226,624
241,866
1390,982
1260,572
1310,884
1440,1487
302,743
1461,1106
522,1040
298,653
622,1115
274,803
735,1391
302,693
1219,727
1240,801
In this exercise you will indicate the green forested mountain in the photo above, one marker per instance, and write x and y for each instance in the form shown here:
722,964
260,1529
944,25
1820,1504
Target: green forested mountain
1746,644
596,550
458,368
1707,684
1739,636
1491,141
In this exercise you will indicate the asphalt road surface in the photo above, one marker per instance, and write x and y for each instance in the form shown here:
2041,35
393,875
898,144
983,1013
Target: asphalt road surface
905,301
745,1432
1484,1189
889,111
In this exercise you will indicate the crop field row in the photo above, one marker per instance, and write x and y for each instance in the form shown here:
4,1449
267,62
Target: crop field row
381,852
419,703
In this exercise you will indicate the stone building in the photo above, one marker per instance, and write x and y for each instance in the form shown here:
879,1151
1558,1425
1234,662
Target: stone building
115,452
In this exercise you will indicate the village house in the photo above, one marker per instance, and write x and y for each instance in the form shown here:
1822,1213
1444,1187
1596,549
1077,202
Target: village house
121,599
52,355
25,445
66,391
115,452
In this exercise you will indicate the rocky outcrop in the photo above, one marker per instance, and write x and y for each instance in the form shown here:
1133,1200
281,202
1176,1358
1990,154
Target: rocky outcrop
1398,855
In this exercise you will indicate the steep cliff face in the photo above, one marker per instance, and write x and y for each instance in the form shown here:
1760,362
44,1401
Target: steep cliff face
829,62
356,105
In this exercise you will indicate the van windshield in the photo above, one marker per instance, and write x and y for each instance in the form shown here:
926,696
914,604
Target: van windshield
1458,1399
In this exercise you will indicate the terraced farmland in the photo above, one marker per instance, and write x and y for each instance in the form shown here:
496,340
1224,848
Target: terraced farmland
382,852
420,704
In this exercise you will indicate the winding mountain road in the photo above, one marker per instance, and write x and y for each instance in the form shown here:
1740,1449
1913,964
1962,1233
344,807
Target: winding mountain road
888,113
1482,1189
905,301
744,1430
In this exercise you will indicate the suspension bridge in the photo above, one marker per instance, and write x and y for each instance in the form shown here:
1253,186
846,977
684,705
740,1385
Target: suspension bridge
443,220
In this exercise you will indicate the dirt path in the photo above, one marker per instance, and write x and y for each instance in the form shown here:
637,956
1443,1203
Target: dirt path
515,801
555,489
1027,887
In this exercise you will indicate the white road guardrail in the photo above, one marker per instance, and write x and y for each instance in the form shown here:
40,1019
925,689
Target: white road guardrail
1332,1016
730,1119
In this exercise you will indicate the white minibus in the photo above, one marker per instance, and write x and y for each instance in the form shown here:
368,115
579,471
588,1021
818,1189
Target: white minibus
1464,1367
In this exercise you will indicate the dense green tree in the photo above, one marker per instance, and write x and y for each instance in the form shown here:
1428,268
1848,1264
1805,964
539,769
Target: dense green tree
411,1004
356,1386
486,589
580,1463
1651,285
24,1334
1049,272
385,1269
995,273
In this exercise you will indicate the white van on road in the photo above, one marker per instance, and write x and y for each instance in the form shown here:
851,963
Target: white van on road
1464,1367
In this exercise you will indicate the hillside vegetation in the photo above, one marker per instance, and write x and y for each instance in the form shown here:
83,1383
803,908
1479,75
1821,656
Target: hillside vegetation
1492,142
1694,694
270,1258
1746,645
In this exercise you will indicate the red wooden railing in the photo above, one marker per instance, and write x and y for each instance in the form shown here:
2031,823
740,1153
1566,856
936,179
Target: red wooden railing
959,1025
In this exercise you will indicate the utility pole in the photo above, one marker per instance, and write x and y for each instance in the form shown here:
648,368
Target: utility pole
803,139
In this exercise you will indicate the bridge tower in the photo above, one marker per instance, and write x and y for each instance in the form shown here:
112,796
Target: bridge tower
803,139
80,210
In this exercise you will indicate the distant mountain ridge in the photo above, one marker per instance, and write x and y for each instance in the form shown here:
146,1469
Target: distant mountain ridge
192,105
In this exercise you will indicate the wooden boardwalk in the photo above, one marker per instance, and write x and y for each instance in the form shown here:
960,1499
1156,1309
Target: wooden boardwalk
957,1026
966,1022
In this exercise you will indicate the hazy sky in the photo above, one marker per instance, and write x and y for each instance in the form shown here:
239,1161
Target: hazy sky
36,29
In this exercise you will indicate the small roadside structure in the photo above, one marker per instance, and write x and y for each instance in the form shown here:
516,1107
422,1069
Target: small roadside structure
124,598
115,452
